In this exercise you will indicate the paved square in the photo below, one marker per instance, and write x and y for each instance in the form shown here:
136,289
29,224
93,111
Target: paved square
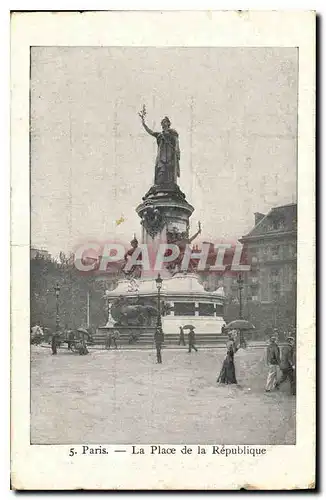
125,397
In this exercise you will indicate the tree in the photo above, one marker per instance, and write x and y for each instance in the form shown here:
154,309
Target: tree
74,286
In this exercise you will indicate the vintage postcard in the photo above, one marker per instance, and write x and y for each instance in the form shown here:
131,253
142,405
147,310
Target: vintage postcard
163,245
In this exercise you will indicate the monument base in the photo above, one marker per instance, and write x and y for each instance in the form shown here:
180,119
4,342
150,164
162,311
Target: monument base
186,301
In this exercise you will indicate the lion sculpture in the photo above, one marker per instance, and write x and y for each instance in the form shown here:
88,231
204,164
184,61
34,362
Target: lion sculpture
126,314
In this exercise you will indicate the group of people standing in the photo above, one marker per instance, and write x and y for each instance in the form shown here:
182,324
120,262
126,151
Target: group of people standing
159,339
276,359
191,338
284,360
112,338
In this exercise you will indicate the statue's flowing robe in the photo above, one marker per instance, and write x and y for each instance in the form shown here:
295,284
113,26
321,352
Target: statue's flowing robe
167,168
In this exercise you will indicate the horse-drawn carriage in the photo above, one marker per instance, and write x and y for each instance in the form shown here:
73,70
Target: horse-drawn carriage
77,340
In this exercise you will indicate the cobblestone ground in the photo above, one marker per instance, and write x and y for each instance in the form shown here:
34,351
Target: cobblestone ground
125,397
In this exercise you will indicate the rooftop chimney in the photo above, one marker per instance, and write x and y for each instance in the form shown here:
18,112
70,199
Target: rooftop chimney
258,217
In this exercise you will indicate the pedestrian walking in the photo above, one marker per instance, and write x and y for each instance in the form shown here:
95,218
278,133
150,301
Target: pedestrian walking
273,361
54,343
182,336
287,365
158,338
108,340
227,373
112,338
191,340
115,338
70,338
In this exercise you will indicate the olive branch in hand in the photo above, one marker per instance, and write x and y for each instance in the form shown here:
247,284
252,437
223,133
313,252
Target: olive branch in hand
143,113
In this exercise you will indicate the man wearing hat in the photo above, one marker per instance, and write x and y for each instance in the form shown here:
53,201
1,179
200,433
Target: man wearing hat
191,339
158,338
115,337
273,361
112,338
181,336
54,342
287,365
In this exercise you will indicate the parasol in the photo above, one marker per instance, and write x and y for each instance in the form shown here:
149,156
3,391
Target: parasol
240,324
82,330
190,327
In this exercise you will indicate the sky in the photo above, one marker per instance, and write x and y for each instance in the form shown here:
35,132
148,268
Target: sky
235,110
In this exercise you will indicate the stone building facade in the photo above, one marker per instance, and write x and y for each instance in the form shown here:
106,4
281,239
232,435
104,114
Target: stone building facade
271,247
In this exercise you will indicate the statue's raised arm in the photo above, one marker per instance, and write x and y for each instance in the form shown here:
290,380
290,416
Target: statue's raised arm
148,130
196,234
142,115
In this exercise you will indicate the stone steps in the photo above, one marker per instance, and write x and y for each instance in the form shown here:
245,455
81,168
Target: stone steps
147,340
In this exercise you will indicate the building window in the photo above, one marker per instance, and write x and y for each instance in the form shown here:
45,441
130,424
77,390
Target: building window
266,251
254,263
275,289
234,284
275,252
219,311
206,309
254,281
184,309
275,274
277,225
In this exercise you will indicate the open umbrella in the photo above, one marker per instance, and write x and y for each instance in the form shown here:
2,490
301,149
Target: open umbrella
240,324
82,330
189,327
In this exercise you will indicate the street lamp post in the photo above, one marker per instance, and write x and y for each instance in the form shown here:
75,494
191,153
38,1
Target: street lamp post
88,309
57,319
107,306
275,304
159,286
240,286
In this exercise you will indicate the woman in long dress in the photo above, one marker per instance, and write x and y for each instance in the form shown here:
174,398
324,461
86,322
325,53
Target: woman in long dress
227,373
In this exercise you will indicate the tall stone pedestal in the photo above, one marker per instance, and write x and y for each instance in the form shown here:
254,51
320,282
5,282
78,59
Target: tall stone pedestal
164,214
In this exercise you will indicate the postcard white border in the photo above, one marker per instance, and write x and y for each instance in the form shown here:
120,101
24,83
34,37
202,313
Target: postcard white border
49,467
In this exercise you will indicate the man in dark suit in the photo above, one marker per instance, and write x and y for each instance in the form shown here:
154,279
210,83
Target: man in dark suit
70,338
273,361
115,337
158,338
191,340
287,365
181,336
54,342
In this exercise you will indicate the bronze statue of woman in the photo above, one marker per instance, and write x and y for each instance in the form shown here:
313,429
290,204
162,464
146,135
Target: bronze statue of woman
167,168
